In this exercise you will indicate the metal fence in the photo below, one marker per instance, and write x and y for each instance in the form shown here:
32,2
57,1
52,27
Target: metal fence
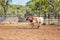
52,21
19,20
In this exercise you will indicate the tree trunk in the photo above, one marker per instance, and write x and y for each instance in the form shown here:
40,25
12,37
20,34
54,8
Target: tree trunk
5,9
44,17
58,19
48,18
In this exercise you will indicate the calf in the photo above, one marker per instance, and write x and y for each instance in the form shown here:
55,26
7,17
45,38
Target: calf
38,20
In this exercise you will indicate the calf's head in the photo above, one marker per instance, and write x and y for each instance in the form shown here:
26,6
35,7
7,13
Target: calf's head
29,19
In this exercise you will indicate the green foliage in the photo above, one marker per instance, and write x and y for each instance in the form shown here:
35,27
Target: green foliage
16,10
1,11
3,2
34,8
47,6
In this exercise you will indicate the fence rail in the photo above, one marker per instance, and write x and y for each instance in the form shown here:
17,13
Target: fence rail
52,21
15,20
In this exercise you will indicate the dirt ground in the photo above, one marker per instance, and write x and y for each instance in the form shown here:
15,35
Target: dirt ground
24,32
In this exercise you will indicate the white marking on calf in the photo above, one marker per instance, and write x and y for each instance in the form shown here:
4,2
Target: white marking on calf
39,20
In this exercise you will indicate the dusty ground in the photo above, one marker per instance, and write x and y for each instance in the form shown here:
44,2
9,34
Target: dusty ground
23,32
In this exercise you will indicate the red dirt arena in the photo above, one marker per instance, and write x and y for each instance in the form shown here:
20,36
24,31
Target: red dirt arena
25,32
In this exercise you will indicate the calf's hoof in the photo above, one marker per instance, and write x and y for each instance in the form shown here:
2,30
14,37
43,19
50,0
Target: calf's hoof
38,26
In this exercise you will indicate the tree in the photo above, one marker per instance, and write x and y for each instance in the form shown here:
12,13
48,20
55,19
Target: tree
4,4
39,5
